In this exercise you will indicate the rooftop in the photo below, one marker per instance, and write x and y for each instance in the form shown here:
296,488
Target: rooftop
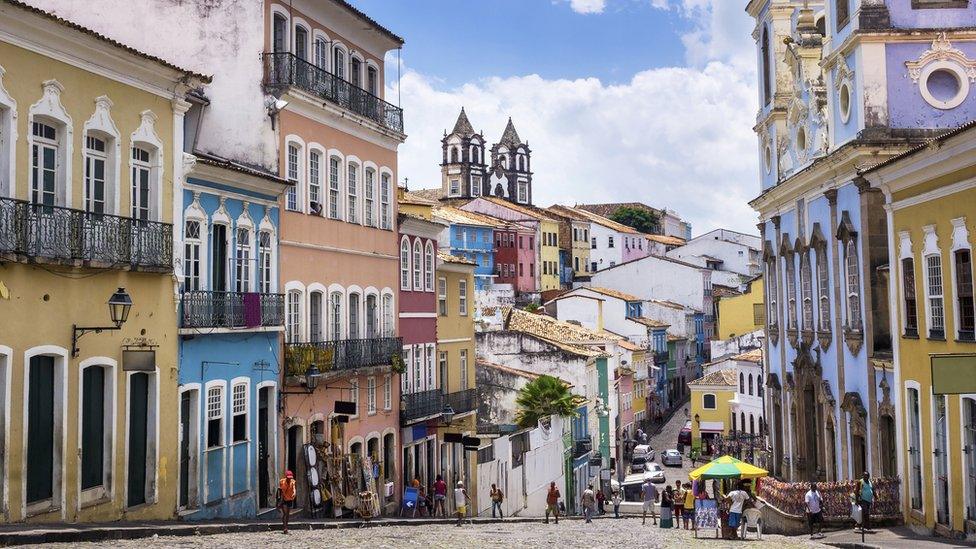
668,304
429,196
752,355
668,240
600,220
723,378
569,337
448,258
531,211
649,322
462,217
419,197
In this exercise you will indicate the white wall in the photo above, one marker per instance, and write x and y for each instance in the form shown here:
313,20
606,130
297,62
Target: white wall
737,257
731,346
603,255
680,320
657,278
226,42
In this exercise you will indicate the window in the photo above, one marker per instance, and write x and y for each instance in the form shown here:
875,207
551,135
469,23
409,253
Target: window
823,288
339,62
759,388
750,384
475,180
191,255
418,357
239,411
335,316
742,383
853,285
315,326
243,260
610,242
293,316
429,267
771,292
372,317
914,449
523,192
354,394
463,297
355,71
44,164
95,169
842,12
353,194
215,417
455,187
758,314
95,441
634,309
442,296
388,392
418,266
908,289
964,294
593,244
442,365
264,262
278,34
368,198
385,201
790,292
464,369
372,80
766,76
708,401
404,264
314,181
933,269
334,164
806,291
301,42
291,195
141,191
371,395
388,325
321,54
455,155
429,367
354,316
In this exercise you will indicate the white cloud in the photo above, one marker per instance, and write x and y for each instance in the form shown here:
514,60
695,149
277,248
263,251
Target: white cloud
676,137
588,6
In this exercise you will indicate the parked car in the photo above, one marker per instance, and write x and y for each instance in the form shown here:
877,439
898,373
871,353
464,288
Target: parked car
645,451
671,457
656,473
684,437
638,464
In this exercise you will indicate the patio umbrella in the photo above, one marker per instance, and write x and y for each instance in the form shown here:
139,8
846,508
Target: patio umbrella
727,467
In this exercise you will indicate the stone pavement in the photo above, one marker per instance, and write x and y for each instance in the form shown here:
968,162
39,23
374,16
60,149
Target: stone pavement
900,537
575,533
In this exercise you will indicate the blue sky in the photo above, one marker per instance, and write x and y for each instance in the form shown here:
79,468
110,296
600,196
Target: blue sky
620,100
463,40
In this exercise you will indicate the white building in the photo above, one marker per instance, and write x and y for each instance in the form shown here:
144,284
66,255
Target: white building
660,278
611,243
723,250
599,308
746,408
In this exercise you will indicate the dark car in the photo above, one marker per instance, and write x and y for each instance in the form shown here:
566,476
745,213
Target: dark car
684,437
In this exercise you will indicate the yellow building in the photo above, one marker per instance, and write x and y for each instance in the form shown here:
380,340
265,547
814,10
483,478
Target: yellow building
711,413
414,203
639,396
930,197
456,368
574,236
91,136
742,314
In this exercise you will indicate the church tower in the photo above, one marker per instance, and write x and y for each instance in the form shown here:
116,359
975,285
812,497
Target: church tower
511,173
463,165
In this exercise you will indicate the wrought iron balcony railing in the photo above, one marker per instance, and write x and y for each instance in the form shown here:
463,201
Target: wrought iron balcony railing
283,69
232,309
422,404
661,357
582,447
100,240
342,355
463,401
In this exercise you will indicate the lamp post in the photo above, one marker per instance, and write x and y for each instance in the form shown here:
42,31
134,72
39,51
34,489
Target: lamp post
119,305
310,381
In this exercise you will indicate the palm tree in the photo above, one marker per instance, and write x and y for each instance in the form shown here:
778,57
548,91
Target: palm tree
543,397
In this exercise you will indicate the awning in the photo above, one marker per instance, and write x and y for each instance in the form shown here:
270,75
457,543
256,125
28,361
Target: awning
712,427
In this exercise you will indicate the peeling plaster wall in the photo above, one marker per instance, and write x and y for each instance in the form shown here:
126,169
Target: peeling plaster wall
223,38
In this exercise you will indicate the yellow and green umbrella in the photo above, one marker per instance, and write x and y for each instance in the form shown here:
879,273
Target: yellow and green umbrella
727,467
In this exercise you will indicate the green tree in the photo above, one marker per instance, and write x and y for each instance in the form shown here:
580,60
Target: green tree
543,397
637,218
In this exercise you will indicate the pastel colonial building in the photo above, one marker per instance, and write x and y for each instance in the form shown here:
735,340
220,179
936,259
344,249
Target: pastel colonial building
843,85
92,141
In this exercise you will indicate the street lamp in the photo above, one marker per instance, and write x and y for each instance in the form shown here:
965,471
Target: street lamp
447,414
119,305
310,381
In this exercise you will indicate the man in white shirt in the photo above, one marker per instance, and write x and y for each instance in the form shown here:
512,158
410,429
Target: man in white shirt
738,497
814,503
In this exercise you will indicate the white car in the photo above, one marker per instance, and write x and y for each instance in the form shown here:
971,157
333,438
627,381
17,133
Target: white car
655,473
671,457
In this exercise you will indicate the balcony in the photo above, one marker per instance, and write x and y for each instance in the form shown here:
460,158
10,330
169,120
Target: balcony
661,357
421,405
76,237
581,447
283,70
341,356
232,310
463,402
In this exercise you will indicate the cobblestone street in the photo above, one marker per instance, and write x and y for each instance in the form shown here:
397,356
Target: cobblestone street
569,533
667,439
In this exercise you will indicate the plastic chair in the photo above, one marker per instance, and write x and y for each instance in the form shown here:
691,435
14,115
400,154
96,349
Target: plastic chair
751,519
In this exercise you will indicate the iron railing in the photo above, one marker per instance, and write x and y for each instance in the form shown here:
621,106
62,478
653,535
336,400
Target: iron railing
414,406
463,401
581,447
661,357
203,309
343,354
283,69
53,232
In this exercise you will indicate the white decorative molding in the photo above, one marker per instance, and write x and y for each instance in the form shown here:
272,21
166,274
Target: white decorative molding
844,73
266,224
244,220
904,245
960,234
8,139
941,50
101,121
49,106
220,216
942,57
930,241
146,132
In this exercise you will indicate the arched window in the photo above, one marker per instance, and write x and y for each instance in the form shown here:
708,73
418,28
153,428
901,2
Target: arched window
264,262
293,315
321,53
278,34
192,256
418,266
385,201
708,401
759,385
742,421
301,42
521,163
335,209
315,326
242,257
372,317
766,77
454,155
354,331
742,383
474,154
293,172
339,62
750,384
144,191
752,424
356,71
352,189
369,198
842,10
823,288
853,285
315,182
388,323
806,291
335,316
404,264
99,165
429,267
372,80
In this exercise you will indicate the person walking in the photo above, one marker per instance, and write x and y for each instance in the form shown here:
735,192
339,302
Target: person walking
738,498
440,496
814,504
496,501
460,502
600,501
649,495
865,498
588,502
667,501
615,499
286,498
678,503
552,502
688,509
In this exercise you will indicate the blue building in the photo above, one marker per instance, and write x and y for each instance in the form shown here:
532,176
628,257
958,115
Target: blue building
565,268
230,320
470,235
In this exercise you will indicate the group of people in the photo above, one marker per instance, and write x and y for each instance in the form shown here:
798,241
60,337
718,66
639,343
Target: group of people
863,499
437,505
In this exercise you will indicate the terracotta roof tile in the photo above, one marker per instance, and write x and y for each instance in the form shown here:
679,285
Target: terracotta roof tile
448,258
649,322
672,240
531,211
752,355
724,378
612,293
569,337
462,217
600,220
